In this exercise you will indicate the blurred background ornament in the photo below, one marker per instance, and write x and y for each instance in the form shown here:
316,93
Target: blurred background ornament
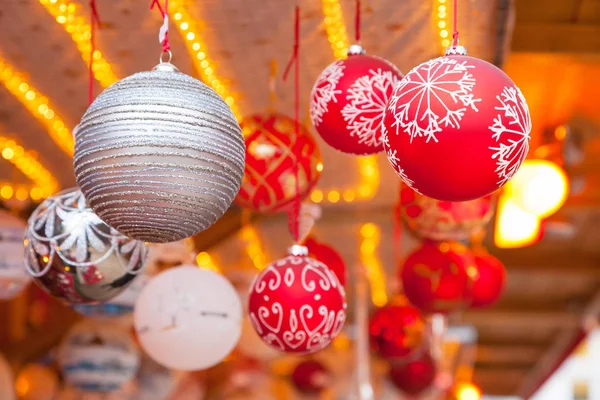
76,257
36,382
13,277
7,379
154,382
164,255
348,101
443,220
327,255
297,304
311,377
172,162
188,318
414,377
272,151
437,277
98,357
397,331
488,281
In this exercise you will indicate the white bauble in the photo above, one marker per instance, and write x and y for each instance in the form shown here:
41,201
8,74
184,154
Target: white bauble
13,276
188,318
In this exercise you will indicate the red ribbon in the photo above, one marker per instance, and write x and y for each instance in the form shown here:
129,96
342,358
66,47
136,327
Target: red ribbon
357,22
294,60
455,34
166,46
94,22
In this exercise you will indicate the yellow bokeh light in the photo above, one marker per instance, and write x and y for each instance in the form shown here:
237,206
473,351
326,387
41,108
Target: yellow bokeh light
333,196
8,153
6,192
370,238
316,196
514,227
468,391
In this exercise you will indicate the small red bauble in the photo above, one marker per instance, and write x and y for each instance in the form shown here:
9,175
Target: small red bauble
437,277
489,280
349,99
456,128
269,182
414,377
397,331
311,377
444,220
296,304
328,256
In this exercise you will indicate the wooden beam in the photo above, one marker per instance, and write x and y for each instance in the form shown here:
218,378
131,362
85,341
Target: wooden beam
522,355
521,319
500,381
530,37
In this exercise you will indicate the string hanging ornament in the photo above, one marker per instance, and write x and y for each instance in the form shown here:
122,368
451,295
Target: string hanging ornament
159,155
456,128
348,99
297,304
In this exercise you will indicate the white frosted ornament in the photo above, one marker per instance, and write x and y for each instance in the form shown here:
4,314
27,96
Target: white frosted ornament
159,155
13,276
188,318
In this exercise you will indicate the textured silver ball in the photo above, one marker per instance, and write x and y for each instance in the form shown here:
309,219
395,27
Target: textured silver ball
159,155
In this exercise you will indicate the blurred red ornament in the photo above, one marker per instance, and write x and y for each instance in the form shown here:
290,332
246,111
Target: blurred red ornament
311,377
444,220
456,128
348,102
397,331
413,377
328,256
296,304
437,277
272,149
489,280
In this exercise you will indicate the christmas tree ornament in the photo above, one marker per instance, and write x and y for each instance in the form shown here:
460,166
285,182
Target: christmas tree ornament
13,277
311,377
456,128
188,318
437,277
488,280
304,219
98,357
397,331
329,256
273,152
413,377
433,219
76,257
159,155
297,304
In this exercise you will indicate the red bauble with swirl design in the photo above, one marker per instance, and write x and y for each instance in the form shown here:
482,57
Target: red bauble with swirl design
444,220
437,277
414,377
272,149
456,128
397,331
488,281
296,304
348,102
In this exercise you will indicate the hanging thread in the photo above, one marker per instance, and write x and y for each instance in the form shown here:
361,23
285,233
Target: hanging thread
94,23
163,35
273,85
295,62
455,34
357,22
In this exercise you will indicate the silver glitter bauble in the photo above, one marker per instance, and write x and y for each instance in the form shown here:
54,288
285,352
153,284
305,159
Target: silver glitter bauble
159,155
75,256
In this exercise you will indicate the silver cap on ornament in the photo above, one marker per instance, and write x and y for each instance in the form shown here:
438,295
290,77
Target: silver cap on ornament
456,51
356,50
298,250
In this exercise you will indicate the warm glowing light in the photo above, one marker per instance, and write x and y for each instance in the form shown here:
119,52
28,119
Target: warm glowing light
441,23
320,167
514,227
370,238
333,196
254,247
204,260
316,196
540,187
335,27
468,391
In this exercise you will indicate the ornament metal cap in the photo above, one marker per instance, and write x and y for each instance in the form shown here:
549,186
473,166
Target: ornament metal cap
456,51
298,250
165,67
356,50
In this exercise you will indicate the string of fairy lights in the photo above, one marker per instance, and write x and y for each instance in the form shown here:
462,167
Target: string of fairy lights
442,21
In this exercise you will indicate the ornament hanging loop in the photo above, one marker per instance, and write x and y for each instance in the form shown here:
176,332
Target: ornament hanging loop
168,55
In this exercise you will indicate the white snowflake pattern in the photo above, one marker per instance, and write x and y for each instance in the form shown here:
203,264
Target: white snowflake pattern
511,128
394,160
325,91
440,84
367,98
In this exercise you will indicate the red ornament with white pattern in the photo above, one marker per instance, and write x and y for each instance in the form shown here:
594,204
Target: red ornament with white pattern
327,255
397,331
296,304
437,277
456,128
348,101
272,150
488,281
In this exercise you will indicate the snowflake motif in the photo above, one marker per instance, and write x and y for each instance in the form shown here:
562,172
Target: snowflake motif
511,128
367,98
325,91
442,83
394,160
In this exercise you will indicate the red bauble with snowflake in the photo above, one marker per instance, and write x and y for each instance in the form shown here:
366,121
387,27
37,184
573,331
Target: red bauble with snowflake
397,331
348,102
456,128
272,149
488,281
414,377
437,277
444,220
328,256
296,304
